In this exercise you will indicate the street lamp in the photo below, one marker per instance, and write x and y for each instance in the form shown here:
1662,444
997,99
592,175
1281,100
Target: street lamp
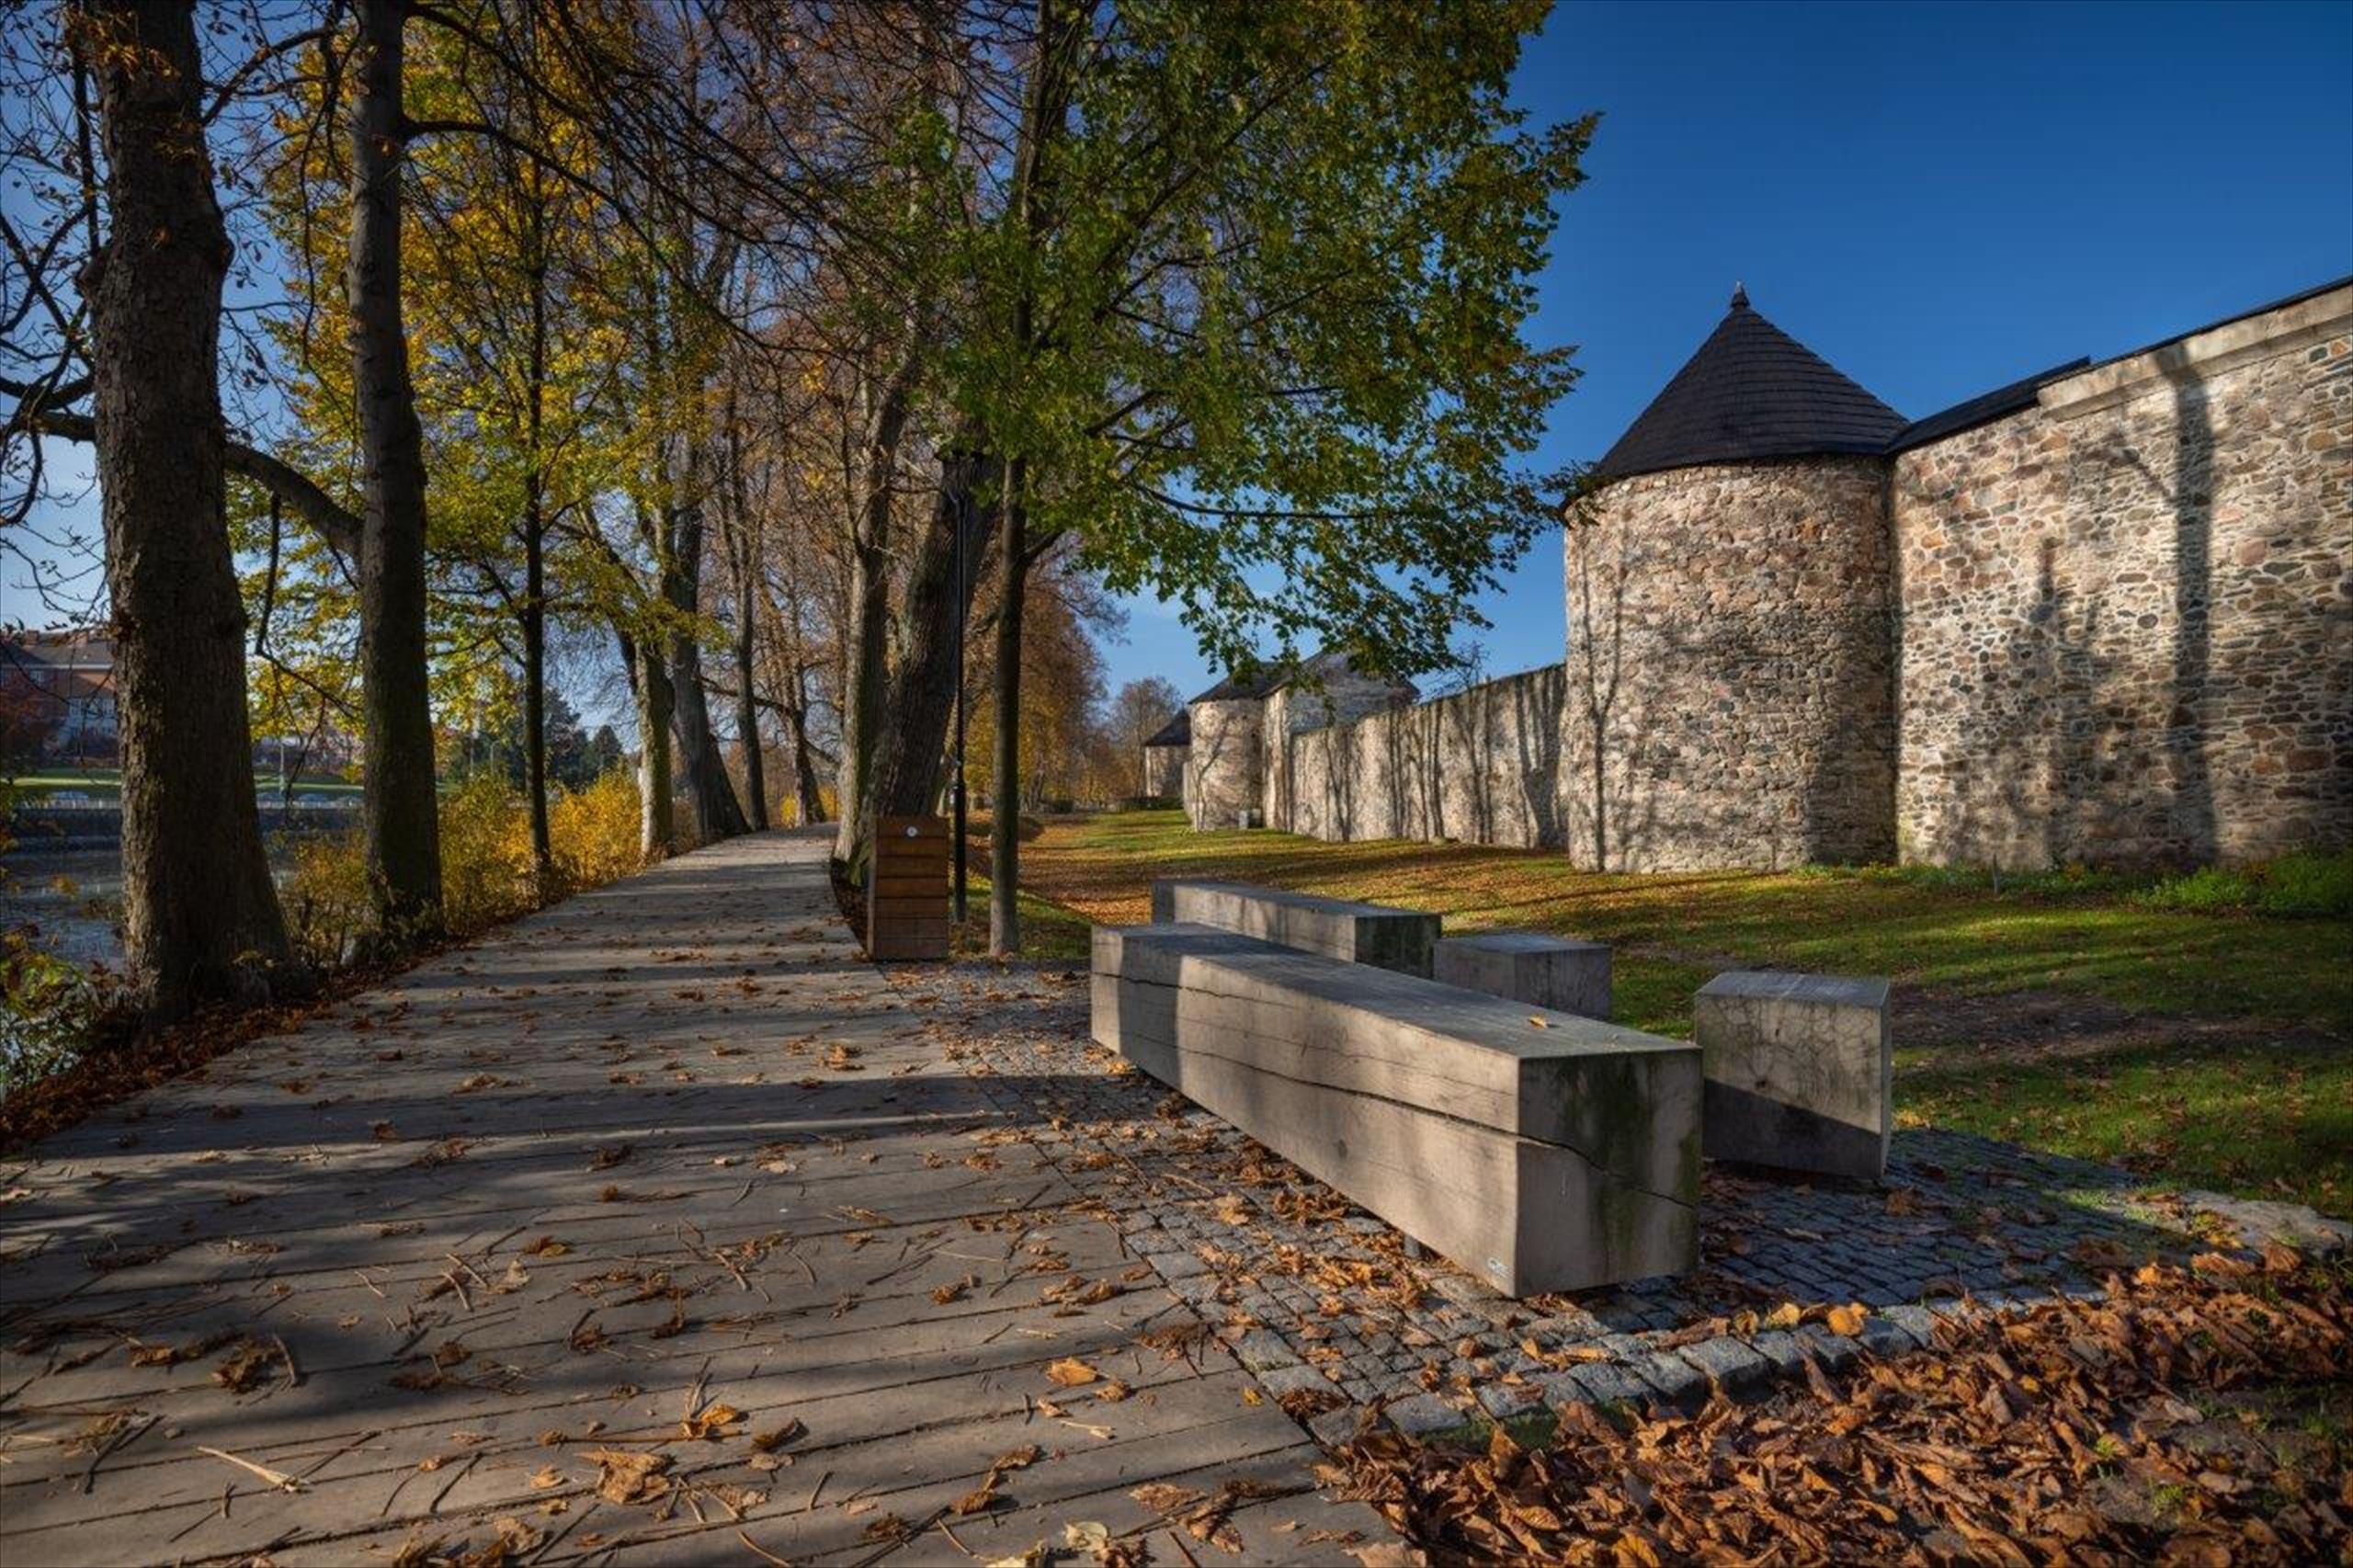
956,781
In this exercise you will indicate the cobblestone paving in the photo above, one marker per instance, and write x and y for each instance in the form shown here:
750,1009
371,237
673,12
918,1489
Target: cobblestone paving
1339,1314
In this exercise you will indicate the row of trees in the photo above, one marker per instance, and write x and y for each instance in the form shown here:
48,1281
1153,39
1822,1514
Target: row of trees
786,357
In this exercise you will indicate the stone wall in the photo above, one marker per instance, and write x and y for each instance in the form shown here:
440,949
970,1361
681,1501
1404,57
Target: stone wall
1481,766
2115,627
2128,610
1730,680
1224,767
1163,772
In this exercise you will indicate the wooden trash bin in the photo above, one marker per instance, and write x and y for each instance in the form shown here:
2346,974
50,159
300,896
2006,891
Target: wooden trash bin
906,889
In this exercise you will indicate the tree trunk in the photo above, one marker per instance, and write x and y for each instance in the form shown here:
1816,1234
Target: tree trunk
535,685
535,612
657,820
743,559
1004,809
791,683
910,753
403,835
200,917
869,626
717,815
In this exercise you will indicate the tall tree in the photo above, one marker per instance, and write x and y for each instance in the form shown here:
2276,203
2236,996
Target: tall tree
1260,348
400,805
201,916
1140,707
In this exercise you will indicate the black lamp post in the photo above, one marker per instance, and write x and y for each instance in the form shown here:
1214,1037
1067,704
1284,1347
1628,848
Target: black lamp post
956,779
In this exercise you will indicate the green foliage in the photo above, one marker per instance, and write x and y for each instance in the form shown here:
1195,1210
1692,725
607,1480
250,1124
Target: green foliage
2301,884
1278,285
49,1010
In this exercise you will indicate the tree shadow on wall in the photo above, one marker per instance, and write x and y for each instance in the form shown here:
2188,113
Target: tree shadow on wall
1604,816
2030,697
2192,500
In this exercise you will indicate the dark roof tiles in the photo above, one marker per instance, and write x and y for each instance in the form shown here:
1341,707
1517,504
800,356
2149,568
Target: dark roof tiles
1751,391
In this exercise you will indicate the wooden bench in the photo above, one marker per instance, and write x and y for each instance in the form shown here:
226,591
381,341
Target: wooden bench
1371,934
1540,1150
1528,966
1799,1076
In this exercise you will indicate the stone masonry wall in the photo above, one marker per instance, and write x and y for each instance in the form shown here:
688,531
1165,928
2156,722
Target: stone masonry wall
1163,772
1481,766
1224,767
2128,611
1730,680
2113,627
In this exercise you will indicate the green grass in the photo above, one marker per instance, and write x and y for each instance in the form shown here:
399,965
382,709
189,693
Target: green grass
2264,1120
2266,1110
2095,939
105,783
1048,931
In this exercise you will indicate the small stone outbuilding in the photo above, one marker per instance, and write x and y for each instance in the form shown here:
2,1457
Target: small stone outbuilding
1231,729
1164,758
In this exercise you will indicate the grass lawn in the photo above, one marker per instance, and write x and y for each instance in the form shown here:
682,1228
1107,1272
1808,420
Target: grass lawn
105,783
2264,1107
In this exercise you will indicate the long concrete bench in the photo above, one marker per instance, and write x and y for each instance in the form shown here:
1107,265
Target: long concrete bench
1372,933
1799,1073
1540,1150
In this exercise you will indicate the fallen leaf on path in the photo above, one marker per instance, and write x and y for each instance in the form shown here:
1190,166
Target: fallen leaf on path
627,1476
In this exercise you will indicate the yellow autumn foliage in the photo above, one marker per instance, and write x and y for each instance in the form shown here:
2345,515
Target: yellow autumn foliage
485,860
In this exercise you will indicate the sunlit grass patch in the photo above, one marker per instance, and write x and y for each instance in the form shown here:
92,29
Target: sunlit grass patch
2273,1121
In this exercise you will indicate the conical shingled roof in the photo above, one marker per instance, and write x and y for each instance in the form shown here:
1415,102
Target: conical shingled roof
1751,391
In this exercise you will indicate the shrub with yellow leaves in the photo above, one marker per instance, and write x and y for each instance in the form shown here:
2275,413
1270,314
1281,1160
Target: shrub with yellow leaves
485,860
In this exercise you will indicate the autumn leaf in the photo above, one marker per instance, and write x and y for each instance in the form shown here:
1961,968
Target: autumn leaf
629,1476
1846,1320
710,1423
775,1438
1071,1372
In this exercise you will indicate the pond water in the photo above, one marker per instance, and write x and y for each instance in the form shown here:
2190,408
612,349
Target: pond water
68,895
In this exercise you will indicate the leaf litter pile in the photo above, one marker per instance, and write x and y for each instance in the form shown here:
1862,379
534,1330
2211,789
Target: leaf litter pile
2193,1414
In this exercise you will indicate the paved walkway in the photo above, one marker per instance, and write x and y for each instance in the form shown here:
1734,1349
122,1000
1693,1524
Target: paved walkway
654,1228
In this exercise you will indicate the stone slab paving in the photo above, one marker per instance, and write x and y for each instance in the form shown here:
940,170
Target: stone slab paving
647,1230
1338,1314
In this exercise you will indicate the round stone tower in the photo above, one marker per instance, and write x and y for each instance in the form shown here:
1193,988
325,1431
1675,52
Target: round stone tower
1731,621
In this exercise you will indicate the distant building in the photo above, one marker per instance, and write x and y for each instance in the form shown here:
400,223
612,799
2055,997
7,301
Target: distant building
66,680
1164,758
1219,749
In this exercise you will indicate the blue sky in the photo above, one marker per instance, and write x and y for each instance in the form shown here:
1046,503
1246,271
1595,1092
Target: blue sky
1936,198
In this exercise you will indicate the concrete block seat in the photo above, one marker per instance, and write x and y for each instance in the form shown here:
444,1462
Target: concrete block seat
1528,966
1540,1150
1337,927
1800,1074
